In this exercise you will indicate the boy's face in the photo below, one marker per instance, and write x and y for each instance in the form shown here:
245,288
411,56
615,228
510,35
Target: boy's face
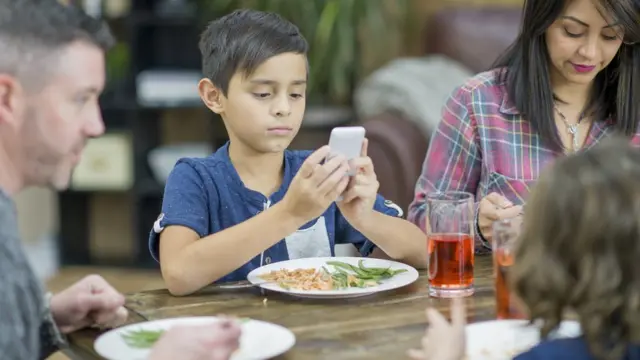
263,111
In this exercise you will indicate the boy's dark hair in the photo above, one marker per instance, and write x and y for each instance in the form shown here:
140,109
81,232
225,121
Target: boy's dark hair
242,41
579,249
34,31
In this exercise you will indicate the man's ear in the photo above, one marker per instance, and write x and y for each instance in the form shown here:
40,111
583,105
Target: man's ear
211,95
10,94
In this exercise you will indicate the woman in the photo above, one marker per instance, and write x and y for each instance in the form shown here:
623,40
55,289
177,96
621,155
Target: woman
568,81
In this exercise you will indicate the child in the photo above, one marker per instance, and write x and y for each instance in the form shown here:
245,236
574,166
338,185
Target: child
579,251
253,202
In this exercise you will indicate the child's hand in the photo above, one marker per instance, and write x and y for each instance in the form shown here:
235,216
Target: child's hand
316,185
443,341
360,195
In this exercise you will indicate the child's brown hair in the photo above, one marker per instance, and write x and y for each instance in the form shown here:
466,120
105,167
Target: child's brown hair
579,249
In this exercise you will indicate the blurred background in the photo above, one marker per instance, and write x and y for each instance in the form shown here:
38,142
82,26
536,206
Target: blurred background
385,64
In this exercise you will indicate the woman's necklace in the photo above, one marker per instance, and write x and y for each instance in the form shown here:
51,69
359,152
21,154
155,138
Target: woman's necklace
572,129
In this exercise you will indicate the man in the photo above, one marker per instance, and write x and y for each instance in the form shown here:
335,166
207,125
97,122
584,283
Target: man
52,71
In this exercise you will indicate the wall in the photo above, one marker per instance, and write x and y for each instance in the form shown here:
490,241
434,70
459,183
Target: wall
423,9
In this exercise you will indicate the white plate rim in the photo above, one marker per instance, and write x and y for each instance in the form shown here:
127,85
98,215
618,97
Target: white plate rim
515,322
287,345
567,325
411,276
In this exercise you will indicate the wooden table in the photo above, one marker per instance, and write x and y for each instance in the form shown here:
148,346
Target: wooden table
381,326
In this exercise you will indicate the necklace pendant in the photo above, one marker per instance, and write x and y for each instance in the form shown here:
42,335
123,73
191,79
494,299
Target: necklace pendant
573,129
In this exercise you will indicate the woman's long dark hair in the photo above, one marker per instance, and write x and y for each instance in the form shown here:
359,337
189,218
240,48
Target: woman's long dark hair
616,90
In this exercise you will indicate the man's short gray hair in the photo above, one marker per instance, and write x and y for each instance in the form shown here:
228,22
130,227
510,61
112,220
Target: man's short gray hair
32,32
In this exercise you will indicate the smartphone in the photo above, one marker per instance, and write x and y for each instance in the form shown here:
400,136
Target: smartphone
346,141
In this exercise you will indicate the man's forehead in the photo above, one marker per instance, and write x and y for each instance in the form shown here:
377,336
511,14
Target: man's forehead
79,64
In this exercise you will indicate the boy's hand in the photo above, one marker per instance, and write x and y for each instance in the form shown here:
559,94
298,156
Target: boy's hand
362,190
443,341
316,185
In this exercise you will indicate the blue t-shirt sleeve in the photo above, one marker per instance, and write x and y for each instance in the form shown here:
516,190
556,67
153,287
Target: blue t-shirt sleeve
560,349
185,203
346,234
528,355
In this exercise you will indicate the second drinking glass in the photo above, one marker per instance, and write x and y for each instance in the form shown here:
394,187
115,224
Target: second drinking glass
505,237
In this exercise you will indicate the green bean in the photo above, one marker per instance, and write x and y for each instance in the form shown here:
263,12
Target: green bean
339,264
372,270
357,270
366,269
341,281
347,275
142,339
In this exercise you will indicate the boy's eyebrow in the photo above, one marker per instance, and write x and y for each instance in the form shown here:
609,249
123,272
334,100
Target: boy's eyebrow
272,82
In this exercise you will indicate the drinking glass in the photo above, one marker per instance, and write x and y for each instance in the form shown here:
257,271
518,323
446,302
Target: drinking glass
505,237
450,243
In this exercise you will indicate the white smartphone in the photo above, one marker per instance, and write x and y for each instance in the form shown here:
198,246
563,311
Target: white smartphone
347,141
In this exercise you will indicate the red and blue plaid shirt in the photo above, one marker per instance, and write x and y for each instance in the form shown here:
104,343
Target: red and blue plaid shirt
484,145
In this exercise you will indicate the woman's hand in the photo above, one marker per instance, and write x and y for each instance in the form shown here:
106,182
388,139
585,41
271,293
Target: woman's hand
494,207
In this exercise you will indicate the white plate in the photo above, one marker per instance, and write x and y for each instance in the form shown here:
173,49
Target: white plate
504,339
395,282
259,339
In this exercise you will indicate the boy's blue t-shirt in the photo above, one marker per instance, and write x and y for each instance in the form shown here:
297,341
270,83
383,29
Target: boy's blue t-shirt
207,196
569,349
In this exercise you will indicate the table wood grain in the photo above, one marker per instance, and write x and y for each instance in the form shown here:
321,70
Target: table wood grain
381,326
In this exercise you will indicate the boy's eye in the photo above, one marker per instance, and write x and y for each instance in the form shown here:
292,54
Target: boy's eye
296,96
261,95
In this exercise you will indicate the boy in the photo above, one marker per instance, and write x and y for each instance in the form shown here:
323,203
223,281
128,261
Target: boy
254,202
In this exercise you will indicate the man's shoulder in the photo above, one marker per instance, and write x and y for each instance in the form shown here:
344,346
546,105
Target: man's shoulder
11,252
8,219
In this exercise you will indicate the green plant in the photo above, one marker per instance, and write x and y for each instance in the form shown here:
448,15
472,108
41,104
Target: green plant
348,38
118,62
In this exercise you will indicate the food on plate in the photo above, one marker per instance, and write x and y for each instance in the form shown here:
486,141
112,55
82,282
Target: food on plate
141,339
344,276
145,339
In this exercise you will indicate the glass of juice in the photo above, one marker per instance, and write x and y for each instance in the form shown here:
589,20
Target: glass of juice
505,237
450,243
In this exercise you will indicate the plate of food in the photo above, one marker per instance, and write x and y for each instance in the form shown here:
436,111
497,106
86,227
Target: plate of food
333,277
504,339
259,339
